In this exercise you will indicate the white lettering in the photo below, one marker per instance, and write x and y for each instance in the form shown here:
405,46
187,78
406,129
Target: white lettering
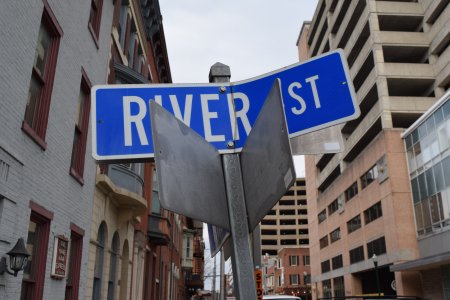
207,116
312,81
295,110
187,108
136,119
158,99
241,114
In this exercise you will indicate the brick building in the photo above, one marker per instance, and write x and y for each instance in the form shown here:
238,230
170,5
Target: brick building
398,56
285,244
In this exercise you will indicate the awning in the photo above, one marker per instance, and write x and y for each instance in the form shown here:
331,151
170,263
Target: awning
425,263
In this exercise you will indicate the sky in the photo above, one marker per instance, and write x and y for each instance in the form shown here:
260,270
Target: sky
252,37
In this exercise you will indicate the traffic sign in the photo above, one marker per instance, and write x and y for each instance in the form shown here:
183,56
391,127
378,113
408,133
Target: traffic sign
316,94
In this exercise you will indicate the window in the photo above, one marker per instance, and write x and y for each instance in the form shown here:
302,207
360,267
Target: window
306,260
373,213
303,231
287,212
73,274
133,47
326,286
322,216
293,260
123,20
37,245
323,242
115,246
333,207
95,19
377,247
156,206
290,193
81,129
307,278
356,254
288,242
284,231
293,278
336,262
42,77
268,222
287,222
188,247
338,284
369,176
351,192
325,266
335,235
99,257
354,224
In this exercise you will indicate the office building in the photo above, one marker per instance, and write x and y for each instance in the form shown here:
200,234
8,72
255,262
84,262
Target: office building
428,149
361,217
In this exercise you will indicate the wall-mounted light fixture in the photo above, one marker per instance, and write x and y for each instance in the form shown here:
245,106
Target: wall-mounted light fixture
18,258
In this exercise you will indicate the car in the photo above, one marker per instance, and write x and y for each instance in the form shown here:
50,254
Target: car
281,297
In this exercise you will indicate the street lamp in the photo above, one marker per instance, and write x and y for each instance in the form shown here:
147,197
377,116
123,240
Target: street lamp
18,257
375,263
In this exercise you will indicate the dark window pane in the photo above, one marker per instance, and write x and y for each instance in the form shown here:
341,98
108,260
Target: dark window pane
377,247
337,262
354,224
422,186
430,182
439,177
356,254
446,168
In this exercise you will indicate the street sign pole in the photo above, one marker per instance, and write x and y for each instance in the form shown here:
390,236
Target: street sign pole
242,261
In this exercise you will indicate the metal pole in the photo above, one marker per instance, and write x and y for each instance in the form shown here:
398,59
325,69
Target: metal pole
222,276
214,280
242,261
377,279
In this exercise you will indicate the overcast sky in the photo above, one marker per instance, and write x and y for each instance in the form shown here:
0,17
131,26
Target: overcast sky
253,37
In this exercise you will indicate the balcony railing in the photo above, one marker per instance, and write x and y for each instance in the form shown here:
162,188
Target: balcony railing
127,176
194,281
158,230
124,198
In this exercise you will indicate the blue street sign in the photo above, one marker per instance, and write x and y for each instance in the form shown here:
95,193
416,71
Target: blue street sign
316,94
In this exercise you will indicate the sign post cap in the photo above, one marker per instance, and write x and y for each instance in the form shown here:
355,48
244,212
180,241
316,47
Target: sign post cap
219,72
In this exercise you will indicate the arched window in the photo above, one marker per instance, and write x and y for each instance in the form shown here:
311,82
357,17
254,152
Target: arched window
113,266
99,258
124,274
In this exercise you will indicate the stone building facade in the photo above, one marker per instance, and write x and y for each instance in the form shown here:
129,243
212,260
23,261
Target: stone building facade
52,53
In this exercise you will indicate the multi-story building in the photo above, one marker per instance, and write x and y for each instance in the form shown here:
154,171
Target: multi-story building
428,148
286,225
360,199
294,276
52,53
118,248
138,249
285,242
